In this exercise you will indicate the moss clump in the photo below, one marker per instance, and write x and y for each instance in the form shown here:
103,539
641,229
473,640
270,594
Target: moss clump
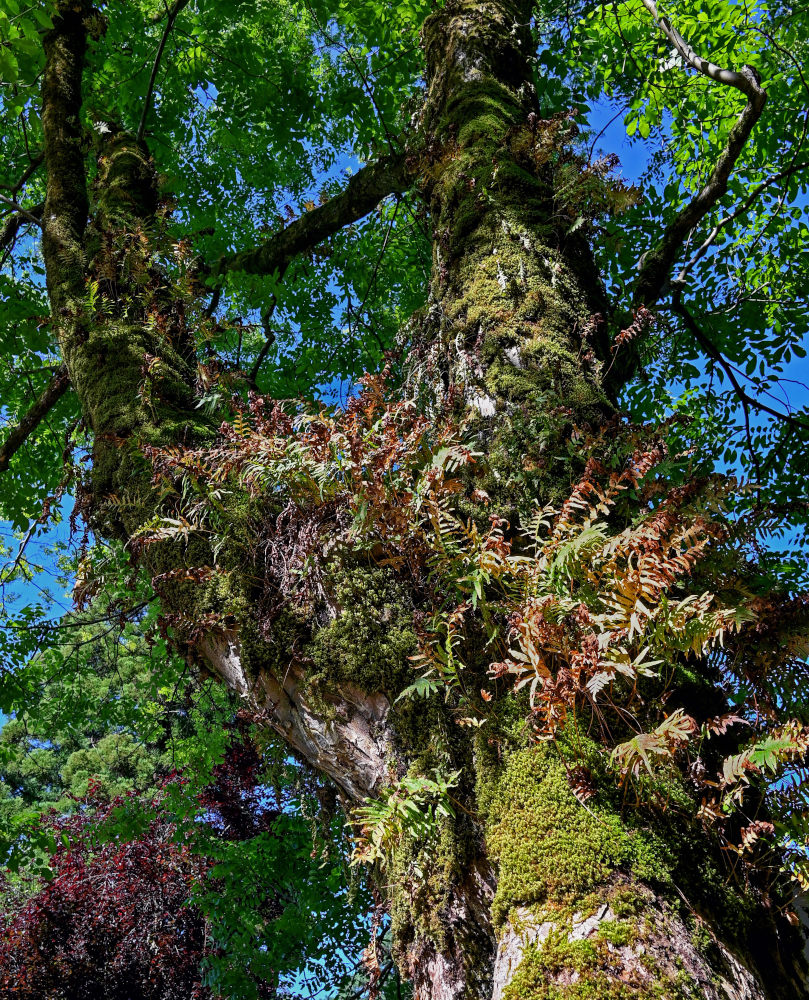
548,846
533,979
370,639
617,932
622,960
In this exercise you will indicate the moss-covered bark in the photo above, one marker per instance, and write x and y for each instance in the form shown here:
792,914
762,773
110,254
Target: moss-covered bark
122,337
509,330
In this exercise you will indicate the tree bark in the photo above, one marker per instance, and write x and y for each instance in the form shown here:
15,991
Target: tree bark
529,894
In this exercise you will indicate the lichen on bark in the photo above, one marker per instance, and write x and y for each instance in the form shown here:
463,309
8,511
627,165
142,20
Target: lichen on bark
512,291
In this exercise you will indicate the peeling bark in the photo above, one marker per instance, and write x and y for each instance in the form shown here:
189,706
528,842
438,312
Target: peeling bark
352,743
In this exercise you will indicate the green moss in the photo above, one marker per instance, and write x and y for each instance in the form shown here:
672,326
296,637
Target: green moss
370,639
549,847
617,932
531,983
561,969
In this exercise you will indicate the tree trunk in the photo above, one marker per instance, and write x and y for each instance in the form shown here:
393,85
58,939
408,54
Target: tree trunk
529,894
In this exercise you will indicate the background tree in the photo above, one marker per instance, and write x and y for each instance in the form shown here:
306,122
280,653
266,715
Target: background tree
612,663
155,848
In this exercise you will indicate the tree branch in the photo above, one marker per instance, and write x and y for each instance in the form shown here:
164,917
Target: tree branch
716,355
741,81
656,265
29,171
365,190
147,101
41,406
16,221
24,213
269,340
732,216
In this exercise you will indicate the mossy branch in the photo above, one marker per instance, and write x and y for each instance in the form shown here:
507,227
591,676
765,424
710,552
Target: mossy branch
66,199
44,403
365,190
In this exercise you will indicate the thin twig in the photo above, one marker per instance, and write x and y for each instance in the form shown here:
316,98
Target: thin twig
175,10
716,355
732,216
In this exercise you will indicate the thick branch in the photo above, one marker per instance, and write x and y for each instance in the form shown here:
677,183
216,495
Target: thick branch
362,194
656,265
741,81
43,404
66,201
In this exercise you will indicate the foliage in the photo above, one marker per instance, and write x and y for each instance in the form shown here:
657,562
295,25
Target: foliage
649,626
414,806
112,770
117,919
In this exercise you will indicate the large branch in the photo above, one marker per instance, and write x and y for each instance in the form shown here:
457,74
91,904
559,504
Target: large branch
41,406
66,201
656,265
365,190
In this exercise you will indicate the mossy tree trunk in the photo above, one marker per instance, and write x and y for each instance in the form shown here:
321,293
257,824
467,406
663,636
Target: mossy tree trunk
529,894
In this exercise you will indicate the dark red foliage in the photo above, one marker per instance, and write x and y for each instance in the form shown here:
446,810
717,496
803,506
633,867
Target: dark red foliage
114,922
111,925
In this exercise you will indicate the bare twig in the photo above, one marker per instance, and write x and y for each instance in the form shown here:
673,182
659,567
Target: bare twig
147,101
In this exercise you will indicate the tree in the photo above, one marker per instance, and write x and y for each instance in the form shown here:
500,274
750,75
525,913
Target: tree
573,798
126,918
133,801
